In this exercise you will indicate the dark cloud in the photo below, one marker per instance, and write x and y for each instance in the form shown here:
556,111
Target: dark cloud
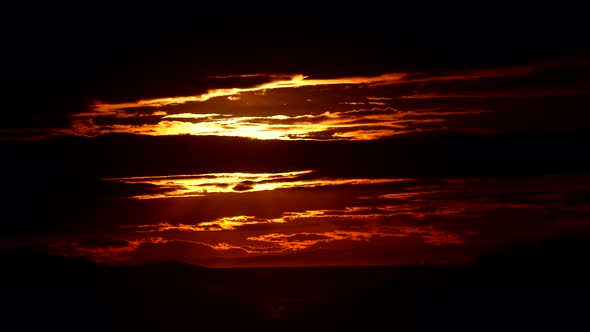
110,120
189,252
77,161
316,135
243,186
402,251
92,243
114,188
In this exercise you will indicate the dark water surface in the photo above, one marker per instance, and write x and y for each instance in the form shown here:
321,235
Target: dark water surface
70,295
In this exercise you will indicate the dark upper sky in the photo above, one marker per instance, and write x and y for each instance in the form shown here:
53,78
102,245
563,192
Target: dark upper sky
326,139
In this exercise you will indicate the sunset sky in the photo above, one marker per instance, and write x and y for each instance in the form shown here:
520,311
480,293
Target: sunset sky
292,141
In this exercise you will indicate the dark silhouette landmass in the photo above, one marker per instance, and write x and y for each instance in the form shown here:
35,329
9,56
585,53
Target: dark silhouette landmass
524,287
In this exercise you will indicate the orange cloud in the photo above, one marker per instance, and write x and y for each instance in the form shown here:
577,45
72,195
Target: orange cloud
105,117
433,236
220,224
201,184
281,82
363,124
305,240
300,80
377,222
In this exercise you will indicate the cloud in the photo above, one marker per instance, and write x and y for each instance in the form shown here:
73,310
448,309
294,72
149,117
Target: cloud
513,93
102,250
299,80
219,224
292,107
368,221
91,243
378,98
301,241
470,213
109,189
491,201
202,184
289,82
187,251
243,186
361,124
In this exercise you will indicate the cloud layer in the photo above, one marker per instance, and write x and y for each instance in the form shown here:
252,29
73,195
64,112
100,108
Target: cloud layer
424,218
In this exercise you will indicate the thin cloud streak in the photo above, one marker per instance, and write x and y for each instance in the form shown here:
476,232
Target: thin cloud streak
305,240
107,253
300,80
202,184
294,81
538,92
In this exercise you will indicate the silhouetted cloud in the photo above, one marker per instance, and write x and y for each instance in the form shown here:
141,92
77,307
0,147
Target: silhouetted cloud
187,251
242,186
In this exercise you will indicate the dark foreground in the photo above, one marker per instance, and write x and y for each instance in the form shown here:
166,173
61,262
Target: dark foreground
514,294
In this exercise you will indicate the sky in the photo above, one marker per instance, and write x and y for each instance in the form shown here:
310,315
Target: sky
255,140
